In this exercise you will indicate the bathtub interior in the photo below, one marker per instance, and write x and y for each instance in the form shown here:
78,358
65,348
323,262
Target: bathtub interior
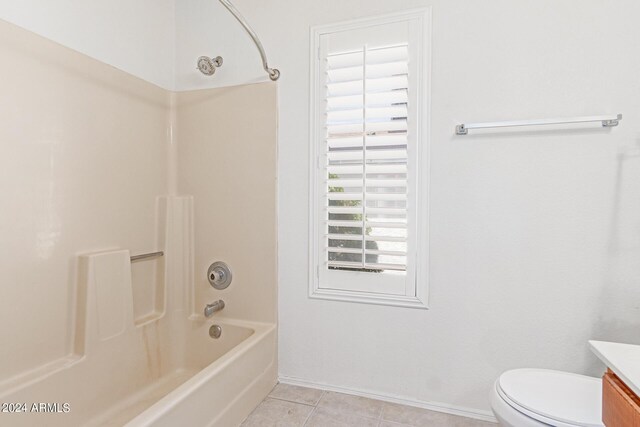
200,352
210,349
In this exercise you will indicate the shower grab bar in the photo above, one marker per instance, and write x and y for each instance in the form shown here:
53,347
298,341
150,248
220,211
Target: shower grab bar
147,256
607,121
274,73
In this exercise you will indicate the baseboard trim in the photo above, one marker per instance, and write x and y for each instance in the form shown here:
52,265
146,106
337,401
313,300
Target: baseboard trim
432,406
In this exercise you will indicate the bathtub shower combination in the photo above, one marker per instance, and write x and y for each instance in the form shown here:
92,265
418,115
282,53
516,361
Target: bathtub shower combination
117,219
173,366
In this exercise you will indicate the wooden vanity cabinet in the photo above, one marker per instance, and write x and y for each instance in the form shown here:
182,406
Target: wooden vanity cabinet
620,405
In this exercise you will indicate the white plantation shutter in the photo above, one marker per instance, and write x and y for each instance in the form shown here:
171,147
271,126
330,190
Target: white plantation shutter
367,96
366,159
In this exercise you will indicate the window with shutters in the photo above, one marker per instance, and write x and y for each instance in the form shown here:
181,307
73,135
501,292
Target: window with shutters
369,127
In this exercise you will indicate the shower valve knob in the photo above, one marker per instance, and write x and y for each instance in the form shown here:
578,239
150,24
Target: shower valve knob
219,275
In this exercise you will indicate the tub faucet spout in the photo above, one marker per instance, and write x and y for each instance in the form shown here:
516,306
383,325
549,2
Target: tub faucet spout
209,309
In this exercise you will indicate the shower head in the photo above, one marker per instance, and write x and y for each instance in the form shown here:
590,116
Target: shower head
207,66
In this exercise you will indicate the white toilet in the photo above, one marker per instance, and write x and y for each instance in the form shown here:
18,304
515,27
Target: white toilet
541,397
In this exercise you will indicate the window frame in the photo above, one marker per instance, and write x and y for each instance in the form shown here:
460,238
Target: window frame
416,295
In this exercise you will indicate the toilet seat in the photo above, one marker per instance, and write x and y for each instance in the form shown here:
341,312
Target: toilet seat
555,398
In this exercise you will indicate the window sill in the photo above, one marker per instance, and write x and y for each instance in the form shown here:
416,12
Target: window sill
369,298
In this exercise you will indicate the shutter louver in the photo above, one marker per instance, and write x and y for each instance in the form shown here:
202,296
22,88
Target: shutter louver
366,159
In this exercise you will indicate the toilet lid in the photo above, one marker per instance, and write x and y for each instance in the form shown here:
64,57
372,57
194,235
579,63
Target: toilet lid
568,399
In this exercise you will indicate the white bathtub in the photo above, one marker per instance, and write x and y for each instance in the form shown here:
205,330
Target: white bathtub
182,378
221,392
140,350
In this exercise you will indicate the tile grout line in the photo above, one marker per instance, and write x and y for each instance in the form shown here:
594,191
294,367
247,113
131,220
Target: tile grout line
287,400
315,408
309,416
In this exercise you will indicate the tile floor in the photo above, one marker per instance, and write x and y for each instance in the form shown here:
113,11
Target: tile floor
293,406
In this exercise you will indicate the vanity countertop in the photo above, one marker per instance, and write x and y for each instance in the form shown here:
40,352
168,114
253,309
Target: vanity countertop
622,359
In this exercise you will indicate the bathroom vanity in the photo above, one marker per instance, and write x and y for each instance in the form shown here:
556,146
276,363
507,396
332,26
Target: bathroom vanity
620,384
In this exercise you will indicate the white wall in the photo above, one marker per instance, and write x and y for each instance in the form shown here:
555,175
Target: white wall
135,36
535,235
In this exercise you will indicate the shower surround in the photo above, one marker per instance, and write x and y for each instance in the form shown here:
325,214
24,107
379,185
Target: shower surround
97,165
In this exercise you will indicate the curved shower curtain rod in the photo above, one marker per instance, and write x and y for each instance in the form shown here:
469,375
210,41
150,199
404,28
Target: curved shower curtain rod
274,74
